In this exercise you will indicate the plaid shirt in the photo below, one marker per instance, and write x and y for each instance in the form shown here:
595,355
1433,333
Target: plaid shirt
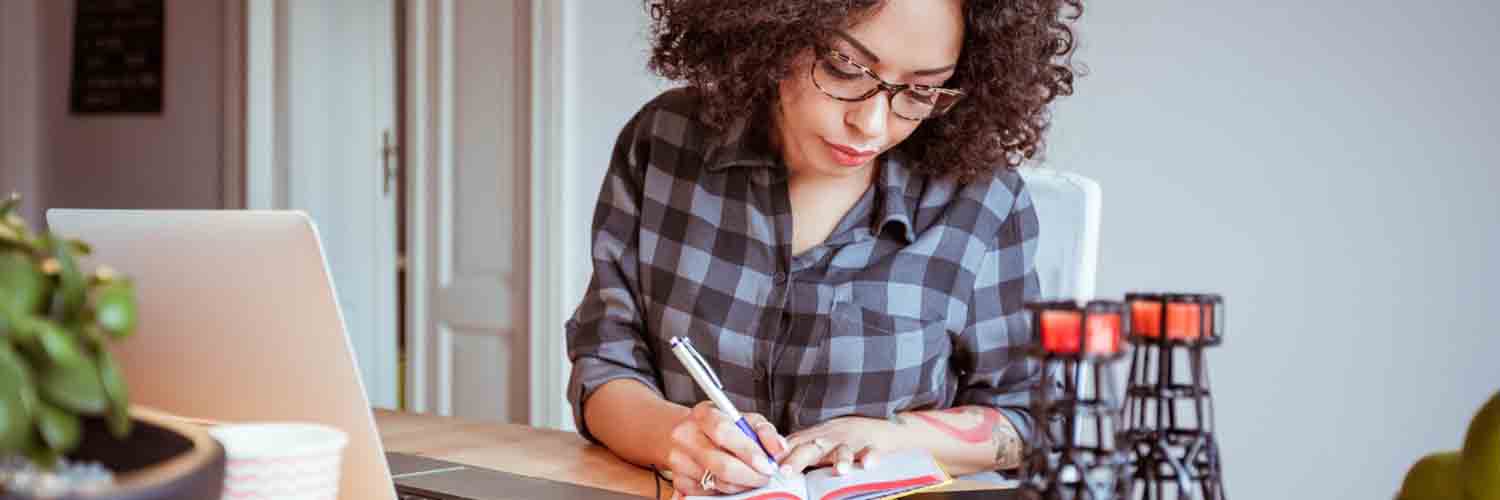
913,302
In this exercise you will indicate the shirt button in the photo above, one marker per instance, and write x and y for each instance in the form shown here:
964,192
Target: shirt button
779,278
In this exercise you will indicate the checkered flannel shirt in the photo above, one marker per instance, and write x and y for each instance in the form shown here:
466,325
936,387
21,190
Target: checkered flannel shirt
913,302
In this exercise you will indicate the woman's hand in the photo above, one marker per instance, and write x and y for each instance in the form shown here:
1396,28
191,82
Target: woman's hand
840,442
706,440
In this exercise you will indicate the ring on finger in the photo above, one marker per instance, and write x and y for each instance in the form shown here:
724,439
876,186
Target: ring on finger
707,481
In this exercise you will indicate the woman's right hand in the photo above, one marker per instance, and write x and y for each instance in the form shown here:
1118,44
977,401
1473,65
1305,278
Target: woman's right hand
706,440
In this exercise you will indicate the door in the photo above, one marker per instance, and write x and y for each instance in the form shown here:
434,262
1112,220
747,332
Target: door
466,116
320,137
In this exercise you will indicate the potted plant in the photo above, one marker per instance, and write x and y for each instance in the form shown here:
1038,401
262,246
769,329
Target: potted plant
66,424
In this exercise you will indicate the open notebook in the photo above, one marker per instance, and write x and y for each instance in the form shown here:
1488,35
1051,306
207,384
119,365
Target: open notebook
895,475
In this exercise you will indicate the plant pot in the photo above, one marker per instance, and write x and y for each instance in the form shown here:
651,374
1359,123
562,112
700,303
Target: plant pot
164,458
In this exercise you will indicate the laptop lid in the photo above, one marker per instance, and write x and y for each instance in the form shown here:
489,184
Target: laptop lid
238,321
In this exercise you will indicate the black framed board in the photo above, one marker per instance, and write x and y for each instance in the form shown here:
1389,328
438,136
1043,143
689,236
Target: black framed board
117,56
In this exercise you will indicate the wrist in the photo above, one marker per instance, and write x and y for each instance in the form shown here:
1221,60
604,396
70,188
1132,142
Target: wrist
893,433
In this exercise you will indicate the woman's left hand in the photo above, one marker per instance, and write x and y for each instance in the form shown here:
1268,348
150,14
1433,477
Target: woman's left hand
840,442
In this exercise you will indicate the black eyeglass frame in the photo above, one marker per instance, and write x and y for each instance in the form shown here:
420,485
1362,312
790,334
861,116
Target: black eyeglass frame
881,85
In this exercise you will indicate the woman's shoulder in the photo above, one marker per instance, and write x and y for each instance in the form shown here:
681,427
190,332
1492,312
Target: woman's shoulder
671,117
992,196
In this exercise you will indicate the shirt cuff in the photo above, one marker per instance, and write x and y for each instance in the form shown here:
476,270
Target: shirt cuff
589,374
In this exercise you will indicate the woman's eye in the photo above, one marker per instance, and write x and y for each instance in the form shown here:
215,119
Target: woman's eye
924,96
842,71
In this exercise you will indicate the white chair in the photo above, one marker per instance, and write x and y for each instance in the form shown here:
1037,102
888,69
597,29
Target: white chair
1067,206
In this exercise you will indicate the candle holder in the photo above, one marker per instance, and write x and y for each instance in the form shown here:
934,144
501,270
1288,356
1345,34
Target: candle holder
1169,413
1073,454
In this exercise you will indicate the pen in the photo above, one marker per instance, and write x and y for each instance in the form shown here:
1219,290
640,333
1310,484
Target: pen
698,368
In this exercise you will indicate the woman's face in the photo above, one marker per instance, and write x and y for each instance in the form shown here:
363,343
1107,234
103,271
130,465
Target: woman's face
906,41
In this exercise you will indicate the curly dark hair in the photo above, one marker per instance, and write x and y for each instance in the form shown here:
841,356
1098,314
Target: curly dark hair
1016,58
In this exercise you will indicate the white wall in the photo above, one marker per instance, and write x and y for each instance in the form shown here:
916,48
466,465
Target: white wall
605,83
20,122
1330,168
171,160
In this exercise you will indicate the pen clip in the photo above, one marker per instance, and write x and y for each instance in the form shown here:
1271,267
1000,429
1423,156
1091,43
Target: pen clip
702,363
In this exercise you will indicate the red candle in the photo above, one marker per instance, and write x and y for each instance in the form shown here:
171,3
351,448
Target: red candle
1145,318
1104,333
1184,320
1060,331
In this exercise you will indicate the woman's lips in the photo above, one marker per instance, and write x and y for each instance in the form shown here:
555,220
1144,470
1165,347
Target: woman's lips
847,156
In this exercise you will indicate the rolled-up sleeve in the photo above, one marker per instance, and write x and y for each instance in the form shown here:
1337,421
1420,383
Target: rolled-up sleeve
990,354
605,334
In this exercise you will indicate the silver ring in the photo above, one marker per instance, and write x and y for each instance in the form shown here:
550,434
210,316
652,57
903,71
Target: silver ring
707,482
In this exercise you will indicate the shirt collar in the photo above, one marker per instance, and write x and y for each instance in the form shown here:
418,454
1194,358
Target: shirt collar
896,191
744,144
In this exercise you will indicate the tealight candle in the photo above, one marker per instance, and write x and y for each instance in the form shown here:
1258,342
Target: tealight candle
1103,333
1060,331
1184,320
1145,318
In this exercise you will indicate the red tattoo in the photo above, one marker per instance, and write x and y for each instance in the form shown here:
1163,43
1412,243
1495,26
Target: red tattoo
981,433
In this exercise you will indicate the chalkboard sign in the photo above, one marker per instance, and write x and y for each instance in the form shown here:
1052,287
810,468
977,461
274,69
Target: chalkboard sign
117,56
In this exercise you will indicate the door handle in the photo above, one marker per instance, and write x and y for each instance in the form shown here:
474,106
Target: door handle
389,155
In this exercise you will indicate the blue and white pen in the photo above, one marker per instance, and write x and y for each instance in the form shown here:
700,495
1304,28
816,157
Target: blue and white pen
709,382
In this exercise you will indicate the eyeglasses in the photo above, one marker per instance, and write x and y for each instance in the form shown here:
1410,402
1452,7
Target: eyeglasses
841,78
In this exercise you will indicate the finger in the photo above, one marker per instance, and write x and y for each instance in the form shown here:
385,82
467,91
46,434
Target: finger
802,456
868,458
769,436
685,474
729,436
689,488
730,470
843,459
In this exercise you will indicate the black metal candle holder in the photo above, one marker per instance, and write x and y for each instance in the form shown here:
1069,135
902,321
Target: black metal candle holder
1074,455
1169,415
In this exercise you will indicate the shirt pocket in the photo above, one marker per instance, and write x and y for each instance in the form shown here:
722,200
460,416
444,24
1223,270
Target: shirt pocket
896,362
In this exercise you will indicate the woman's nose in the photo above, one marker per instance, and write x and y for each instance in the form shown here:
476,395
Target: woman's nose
869,116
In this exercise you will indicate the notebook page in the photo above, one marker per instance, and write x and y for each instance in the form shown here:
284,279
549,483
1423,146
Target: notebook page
791,487
895,474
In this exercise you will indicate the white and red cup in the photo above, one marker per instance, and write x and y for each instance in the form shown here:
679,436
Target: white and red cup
281,460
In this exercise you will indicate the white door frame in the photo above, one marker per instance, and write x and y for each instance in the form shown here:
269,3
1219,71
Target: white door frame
424,145
549,309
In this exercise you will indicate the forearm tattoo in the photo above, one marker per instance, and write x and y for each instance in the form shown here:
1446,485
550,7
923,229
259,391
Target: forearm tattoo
975,425
1008,447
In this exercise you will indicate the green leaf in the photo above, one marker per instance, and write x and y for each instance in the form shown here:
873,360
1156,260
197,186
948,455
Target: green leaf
60,429
75,387
59,344
113,380
22,284
80,248
43,456
115,308
72,285
23,327
119,422
17,400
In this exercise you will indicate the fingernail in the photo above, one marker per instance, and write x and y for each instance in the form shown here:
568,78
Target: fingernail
842,468
765,466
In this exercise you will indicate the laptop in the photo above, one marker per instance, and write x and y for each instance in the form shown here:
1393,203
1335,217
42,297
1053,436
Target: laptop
238,321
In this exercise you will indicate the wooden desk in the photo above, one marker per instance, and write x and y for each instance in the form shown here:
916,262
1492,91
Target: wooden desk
519,449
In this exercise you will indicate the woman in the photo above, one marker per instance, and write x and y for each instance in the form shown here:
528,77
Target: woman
829,211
